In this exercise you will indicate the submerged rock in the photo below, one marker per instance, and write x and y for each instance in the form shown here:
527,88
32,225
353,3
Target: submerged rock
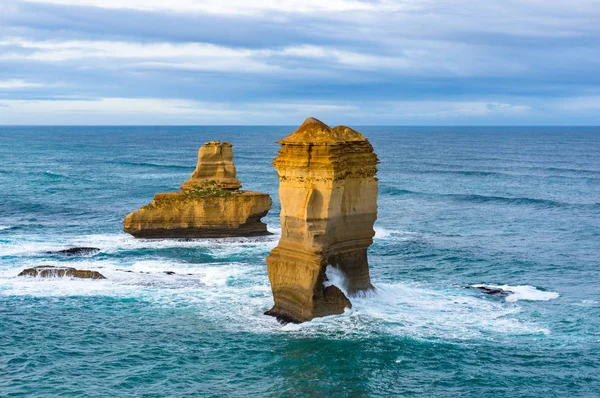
48,271
492,291
328,194
76,251
210,204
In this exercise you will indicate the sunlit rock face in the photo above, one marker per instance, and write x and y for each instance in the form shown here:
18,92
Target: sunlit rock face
210,204
328,194
215,163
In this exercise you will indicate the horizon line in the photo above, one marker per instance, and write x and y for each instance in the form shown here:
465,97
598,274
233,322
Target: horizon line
294,125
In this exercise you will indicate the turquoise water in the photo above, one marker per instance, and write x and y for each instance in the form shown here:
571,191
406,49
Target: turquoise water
458,206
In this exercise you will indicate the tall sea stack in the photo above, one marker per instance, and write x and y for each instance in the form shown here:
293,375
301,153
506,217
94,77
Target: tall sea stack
209,205
328,194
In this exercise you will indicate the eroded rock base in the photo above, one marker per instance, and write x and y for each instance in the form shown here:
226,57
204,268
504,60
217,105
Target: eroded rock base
331,301
184,216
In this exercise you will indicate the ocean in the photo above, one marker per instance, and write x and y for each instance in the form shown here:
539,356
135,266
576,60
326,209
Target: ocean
516,207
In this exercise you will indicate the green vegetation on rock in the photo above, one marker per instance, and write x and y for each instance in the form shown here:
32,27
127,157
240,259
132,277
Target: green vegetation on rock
208,189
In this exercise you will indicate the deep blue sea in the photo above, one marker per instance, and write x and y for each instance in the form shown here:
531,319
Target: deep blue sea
513,207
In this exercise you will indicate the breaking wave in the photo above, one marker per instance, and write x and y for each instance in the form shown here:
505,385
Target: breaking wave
522,292
234,296
53,174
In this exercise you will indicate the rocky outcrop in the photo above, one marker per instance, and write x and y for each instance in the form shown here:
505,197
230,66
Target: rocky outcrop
328,194
491,290
209,205
48,271
215,163
76,251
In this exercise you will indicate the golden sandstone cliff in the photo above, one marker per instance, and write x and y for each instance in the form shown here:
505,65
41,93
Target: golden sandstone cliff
328,194
210,203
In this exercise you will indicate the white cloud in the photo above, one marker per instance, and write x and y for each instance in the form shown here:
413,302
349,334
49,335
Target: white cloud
454,109
590,103
415,57
441,111
18,84
183,111
162,55
57,50
182,108
127,106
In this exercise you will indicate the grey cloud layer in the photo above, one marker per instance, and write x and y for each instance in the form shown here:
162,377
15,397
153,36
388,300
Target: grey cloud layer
444,61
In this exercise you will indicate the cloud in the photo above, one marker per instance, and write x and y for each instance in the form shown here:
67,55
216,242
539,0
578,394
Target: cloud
583,104
182,111
452,109
416,58
55,50
371,61
222,7
18,84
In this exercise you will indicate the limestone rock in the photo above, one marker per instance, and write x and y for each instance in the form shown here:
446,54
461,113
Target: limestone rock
179,215
215,163
210,205
328,194
48,271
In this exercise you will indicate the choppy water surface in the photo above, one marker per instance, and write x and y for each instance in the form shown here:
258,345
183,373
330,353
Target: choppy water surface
512,207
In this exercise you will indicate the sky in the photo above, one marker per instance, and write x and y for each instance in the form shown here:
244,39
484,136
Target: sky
276,62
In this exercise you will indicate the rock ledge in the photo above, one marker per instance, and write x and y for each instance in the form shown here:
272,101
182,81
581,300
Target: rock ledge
209,205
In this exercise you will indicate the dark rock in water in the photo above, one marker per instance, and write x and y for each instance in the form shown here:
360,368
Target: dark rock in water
492,291
169,272
76,251
48,271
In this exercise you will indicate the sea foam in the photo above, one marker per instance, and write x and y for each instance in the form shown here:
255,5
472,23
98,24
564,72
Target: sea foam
233,294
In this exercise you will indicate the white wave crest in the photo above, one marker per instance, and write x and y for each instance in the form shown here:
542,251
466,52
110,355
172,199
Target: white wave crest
381,233
234,294
393,234
336,277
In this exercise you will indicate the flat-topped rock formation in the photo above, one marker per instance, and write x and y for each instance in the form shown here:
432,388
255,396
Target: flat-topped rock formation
328,194
49,271
209,205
